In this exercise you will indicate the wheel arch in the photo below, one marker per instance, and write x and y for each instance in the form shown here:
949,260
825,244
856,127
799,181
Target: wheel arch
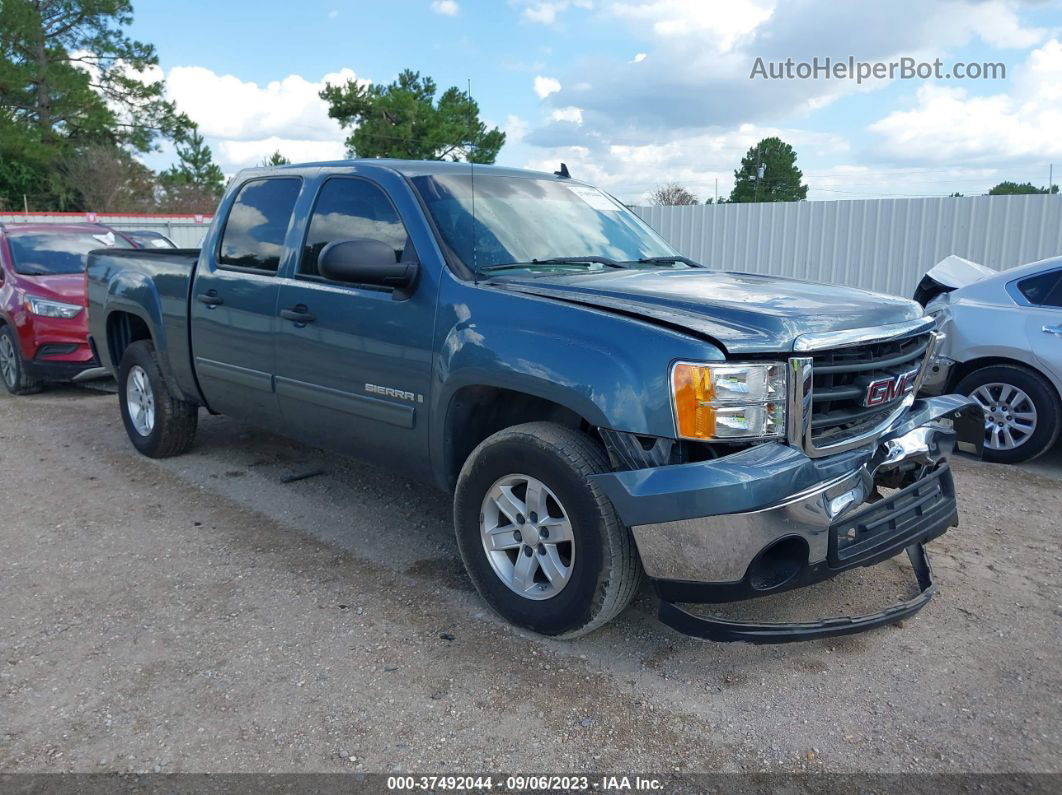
476,411
963,369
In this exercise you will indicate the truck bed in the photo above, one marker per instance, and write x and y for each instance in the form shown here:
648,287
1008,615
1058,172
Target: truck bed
152,285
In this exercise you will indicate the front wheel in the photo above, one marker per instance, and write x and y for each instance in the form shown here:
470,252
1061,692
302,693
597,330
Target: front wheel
12,368
1022,411
541,543
158,424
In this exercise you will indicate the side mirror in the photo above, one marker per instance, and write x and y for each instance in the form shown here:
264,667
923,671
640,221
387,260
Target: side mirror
366,261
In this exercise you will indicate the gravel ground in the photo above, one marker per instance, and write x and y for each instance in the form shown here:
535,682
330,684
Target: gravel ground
198,614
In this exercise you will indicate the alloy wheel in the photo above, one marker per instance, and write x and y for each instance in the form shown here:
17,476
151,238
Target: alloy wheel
140,400
527,537
8,364
1010,415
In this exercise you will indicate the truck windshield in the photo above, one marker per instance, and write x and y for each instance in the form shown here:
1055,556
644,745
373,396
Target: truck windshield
51,253
521,220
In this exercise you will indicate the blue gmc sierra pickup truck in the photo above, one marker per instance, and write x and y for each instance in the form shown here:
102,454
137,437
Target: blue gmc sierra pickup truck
599,406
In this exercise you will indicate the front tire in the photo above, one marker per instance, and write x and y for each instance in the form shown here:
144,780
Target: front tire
12,368
158,424
1022,411
541,543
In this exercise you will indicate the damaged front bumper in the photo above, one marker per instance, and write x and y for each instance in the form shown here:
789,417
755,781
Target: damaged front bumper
770,519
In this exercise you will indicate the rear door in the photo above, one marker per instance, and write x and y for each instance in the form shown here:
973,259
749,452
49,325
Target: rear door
1043,295
355,377
234,301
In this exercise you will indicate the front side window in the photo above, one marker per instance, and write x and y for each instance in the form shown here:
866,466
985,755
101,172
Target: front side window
349,208
520,219
1045,289
258,223
49,253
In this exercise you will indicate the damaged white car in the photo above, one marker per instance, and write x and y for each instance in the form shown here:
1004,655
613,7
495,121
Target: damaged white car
1003,348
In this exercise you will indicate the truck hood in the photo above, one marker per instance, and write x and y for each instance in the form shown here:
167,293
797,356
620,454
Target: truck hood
743,312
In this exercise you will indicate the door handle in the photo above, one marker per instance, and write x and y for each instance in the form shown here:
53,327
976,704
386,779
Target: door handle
1056,330
298,314
210,298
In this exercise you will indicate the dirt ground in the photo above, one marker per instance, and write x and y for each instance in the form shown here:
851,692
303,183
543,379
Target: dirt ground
198,614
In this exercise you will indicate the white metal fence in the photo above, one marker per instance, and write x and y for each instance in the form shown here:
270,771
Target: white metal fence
187,231
883,244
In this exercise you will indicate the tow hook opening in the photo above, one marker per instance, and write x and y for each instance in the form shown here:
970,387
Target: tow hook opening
778,563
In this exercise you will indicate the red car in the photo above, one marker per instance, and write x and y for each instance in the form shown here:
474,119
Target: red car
43,311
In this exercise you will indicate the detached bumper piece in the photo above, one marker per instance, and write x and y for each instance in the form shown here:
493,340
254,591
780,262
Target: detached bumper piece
724,631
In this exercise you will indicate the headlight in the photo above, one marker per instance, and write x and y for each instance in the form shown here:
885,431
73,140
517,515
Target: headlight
729,401
40,306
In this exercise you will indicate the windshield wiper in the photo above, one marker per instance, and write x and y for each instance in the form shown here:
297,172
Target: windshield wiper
669,261
611,263
588,260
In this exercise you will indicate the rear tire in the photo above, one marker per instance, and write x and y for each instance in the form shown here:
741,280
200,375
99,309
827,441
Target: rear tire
159,425
596,565
1024,402
13,368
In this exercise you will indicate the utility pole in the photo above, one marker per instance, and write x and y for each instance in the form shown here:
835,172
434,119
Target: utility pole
25,204
717,190
1050,178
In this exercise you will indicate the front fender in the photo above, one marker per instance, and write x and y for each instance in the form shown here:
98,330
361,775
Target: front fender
609,369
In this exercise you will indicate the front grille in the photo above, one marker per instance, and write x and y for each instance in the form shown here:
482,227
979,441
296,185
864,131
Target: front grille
840,378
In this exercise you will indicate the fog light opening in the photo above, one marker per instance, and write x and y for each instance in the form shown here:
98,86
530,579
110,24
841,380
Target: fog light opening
778,564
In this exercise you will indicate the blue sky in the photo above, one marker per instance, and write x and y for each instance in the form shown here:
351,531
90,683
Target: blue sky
633,94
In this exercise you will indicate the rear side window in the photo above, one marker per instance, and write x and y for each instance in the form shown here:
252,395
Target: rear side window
257,224
1044,289
346,208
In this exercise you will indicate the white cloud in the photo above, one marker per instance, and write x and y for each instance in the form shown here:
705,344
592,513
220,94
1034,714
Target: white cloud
722,24
571,113
545,12
447,8
544,86
638,57
695,161
950,125
245,122
514,128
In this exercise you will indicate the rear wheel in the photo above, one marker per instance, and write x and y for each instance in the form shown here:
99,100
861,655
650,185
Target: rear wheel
1022,411
541,543
12,368
158,424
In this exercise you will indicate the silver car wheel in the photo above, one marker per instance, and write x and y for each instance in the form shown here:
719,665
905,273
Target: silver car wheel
527,537
140,400
1010,415
8,364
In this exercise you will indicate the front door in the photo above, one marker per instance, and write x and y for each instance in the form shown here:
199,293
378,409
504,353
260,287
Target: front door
234,303
353,362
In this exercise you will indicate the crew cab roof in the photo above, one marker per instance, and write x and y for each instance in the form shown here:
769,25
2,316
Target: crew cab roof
407,168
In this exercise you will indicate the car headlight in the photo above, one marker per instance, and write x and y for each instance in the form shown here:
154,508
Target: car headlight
45,308
729,401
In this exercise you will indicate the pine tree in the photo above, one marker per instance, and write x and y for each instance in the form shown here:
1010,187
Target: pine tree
769,173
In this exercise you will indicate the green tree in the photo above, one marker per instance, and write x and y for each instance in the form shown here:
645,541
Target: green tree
768,173
195,165
195,182
1013,189
403,120
276,159
70,77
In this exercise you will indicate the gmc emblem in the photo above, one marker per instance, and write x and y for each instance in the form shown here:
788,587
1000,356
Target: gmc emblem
886,390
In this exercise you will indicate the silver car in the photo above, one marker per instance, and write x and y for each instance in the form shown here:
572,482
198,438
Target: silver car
1003,348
